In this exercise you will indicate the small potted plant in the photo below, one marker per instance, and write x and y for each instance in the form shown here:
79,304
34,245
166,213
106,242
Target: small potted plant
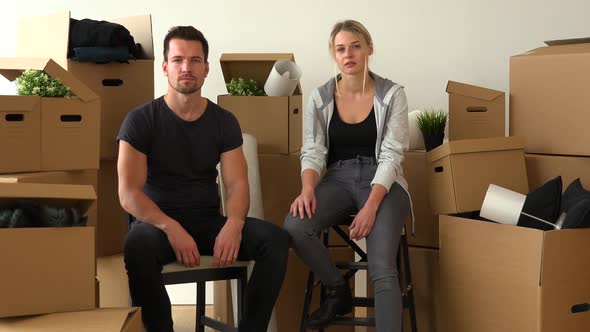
38,83
432,125
244,87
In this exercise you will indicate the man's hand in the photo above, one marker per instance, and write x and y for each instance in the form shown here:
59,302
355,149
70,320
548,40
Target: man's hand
363,223
227,243
304,204
184,245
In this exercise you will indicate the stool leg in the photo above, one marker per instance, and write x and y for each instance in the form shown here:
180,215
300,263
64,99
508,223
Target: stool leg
200,327
409,288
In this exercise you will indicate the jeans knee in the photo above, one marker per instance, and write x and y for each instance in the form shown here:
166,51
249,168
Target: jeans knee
140,243
296,227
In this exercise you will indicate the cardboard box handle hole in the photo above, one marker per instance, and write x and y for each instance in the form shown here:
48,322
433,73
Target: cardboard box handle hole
477,109
14,117
71,118
582,307
295,111
112,82
438,169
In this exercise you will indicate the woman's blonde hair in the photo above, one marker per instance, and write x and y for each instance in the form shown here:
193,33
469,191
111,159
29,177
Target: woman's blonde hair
360,32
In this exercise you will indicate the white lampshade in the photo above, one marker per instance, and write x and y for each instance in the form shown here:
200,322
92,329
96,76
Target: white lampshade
416,138
283,78
502,205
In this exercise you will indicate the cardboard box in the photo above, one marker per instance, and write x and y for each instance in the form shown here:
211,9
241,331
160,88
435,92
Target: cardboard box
276,122
121,86
86,177
280,182
497,277
112,219
426,224
98,320
542,168
475,112
461,171
114,285
69,126
549,101
20,133
47,269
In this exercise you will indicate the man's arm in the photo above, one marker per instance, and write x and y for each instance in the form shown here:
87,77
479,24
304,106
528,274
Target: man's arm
132,171
234,172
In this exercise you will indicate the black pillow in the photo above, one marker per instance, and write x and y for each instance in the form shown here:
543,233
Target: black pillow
544,203
576,205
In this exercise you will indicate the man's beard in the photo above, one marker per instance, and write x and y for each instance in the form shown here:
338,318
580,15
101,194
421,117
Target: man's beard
185,89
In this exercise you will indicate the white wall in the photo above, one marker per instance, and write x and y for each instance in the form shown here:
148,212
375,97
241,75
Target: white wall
419,43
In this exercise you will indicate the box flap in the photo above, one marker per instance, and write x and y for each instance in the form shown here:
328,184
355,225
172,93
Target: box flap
569,41
98,320
44,36
564,279
252,65
19,103
65,195
140,28
559,49
473,91
11,68
475,145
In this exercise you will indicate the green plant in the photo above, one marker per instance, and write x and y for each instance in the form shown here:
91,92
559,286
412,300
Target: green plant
432,124
244,87
37,83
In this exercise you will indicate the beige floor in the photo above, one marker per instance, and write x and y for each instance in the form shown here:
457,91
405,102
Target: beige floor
184,318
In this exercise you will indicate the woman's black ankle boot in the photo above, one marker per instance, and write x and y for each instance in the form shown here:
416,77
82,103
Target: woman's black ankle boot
338,301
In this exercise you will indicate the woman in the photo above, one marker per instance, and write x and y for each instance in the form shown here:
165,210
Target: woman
357,125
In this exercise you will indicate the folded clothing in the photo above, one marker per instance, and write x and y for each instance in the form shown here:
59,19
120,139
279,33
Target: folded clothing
102,54
93,33
29,213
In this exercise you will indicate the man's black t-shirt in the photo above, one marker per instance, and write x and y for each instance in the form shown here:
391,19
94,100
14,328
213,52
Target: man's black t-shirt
181,156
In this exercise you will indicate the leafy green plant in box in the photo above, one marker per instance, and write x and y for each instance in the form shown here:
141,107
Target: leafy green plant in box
244,87
38,83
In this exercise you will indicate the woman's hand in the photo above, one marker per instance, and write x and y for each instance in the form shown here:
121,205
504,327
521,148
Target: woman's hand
363,223
304,204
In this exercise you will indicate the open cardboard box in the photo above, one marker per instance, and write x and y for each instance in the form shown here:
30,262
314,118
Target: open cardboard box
475,112
97,320
496,277
69,127
276,122
549,98
47,269
121,86
460,172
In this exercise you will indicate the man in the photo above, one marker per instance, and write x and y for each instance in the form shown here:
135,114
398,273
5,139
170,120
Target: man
168,152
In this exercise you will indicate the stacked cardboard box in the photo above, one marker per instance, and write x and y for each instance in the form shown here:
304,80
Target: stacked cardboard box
498,277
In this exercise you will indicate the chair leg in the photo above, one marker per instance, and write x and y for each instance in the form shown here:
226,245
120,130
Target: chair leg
306,302
241,296
200,326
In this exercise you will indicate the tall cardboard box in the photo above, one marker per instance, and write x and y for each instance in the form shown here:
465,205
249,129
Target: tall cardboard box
460,172
475,112
47,269
112,219
97,320
496,277
276,122
549,101
542,168
121,86
426,222
69,126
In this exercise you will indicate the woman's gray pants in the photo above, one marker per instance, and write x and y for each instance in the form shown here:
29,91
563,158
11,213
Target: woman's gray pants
341,192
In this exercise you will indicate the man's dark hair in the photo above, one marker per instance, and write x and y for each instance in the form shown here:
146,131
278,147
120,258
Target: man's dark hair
185,33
